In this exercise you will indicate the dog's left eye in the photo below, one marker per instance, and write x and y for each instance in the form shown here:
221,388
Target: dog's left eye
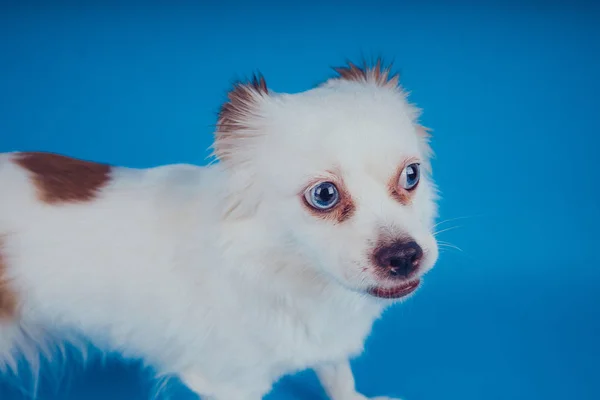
322,196
409,179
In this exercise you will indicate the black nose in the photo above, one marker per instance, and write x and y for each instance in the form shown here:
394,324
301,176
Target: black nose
399,259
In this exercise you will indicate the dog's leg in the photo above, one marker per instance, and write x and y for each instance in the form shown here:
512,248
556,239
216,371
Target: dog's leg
208,391
230,397
338,381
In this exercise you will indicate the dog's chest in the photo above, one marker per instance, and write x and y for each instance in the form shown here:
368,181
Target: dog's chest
302,337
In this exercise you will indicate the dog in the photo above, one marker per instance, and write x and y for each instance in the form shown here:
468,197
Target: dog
316,216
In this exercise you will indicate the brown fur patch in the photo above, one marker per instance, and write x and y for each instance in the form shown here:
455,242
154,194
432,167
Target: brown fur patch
8,300
240,104
341,212
379,74
61,179
397,192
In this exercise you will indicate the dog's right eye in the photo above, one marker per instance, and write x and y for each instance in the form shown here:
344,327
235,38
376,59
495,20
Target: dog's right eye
322,196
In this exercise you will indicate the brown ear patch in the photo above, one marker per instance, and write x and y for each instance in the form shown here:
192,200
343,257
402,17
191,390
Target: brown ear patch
8,300
61,179
378,73
241,103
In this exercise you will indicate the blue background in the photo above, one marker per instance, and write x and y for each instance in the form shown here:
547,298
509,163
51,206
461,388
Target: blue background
510,89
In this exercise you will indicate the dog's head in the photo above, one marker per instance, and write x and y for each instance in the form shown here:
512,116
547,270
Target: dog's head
340,175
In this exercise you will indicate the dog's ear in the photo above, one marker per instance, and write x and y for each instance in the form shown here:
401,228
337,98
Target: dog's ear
239,125
378,73
238,118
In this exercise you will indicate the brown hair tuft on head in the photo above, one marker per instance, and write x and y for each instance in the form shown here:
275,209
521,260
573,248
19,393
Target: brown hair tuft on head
378,73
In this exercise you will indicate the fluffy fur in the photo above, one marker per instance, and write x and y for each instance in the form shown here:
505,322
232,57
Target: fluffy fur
223,275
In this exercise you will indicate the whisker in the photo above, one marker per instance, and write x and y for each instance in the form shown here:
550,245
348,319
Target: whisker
446,229
449,245
453,219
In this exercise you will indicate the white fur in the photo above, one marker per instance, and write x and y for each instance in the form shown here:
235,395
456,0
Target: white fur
219,274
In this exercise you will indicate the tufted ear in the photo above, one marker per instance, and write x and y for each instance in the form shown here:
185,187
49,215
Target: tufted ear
238,117
238,127
379,74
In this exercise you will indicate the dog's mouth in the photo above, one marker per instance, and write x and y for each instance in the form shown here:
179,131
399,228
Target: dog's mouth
395,292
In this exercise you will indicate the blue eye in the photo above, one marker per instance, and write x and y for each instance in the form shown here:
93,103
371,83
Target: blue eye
322,196
409,179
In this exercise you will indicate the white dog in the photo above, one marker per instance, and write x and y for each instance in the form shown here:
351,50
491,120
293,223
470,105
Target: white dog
279,257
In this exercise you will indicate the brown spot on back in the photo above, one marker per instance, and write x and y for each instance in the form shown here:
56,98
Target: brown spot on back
8,300
61,179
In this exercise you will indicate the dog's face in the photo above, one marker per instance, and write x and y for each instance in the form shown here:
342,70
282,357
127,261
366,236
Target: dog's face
340,176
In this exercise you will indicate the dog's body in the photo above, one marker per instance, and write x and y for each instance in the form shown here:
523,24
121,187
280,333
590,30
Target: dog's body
228,276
